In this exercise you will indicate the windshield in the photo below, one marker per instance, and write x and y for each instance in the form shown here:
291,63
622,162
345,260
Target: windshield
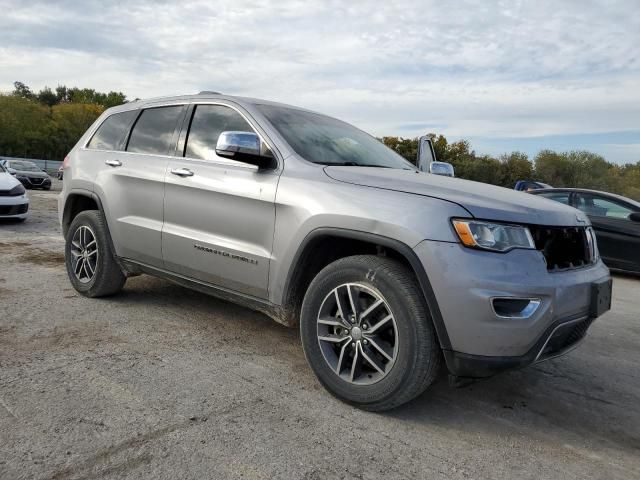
328,141
24,166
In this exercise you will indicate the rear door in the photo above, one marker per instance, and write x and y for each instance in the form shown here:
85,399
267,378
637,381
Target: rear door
618,237
219,214
131,183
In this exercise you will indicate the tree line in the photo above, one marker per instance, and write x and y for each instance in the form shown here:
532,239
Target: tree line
576,169
47,124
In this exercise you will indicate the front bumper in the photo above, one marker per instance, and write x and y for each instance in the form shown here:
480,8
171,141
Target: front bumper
466,281
14,207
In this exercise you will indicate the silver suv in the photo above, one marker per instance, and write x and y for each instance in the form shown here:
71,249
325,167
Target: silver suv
388,271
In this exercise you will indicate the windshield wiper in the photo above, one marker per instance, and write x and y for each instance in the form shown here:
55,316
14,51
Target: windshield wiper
355,164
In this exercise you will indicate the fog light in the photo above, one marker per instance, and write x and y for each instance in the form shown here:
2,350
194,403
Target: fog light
515,307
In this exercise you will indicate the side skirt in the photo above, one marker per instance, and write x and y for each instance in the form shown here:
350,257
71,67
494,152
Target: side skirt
273,311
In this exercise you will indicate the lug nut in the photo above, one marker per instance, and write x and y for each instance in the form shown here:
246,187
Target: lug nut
364,326
366,342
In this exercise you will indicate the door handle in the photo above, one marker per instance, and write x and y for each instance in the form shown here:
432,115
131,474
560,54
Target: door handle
113,163
182,172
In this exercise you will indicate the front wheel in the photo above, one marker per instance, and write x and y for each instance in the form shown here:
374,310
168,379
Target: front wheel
367,334
91,265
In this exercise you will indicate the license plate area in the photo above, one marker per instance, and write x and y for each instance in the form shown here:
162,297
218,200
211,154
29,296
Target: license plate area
600,298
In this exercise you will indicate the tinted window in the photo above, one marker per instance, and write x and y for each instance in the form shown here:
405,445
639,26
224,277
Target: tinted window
328,141
561,197
112,131
602,207
24,166
208,122
153,131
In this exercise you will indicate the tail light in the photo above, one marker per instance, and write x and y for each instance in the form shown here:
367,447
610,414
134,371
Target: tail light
66,162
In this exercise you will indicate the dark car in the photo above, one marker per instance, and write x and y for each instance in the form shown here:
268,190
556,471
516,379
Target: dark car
529,185
615,219
29,174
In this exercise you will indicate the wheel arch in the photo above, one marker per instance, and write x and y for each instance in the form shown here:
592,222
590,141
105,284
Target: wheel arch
82,200
76,202
335,243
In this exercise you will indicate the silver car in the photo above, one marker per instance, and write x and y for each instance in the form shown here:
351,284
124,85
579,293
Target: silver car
390,273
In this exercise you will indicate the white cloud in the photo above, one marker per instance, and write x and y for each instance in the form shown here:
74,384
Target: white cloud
500,69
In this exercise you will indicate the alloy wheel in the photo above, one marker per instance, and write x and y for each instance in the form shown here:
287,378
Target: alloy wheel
357,333
84,254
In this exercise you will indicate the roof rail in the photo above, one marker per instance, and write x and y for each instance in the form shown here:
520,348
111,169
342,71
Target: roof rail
209,92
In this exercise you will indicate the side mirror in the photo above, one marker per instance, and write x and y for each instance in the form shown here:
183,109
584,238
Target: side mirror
11,171
635,217
245,147
441,168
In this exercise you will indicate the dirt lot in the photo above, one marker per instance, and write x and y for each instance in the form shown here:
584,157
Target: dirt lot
161,382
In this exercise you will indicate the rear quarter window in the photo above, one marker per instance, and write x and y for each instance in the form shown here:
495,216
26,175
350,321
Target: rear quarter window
112,131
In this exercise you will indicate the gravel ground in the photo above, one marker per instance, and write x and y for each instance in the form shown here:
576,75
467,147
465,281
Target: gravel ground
161,382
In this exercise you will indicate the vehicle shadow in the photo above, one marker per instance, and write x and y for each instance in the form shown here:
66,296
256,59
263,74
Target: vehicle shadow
585,396
563,398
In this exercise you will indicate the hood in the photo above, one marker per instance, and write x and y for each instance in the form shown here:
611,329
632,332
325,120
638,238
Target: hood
482,200
8,181
32,174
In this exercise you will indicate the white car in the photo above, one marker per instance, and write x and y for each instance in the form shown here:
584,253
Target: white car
14,202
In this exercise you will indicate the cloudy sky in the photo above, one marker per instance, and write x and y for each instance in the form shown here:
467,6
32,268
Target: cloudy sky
507,75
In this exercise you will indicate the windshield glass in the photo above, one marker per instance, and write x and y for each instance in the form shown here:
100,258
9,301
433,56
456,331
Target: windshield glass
328,141
25,166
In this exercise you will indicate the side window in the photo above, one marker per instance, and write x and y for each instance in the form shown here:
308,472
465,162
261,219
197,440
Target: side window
207,123
602,207
561,197
111,132
154,129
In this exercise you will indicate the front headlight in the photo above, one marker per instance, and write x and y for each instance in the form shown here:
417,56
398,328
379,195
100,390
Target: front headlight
17,191
496,237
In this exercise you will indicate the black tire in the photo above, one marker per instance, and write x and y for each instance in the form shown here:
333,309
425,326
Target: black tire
108,278
418,354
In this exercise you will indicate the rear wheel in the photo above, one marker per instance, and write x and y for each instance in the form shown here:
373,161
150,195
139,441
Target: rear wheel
91,266
367,334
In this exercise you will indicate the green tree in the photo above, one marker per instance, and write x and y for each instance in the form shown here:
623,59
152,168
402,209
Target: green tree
407,147
514,166
21,90
23,127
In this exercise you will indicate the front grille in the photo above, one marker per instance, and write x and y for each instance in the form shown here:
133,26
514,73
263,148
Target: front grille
36,180
14,209
565,336
563,247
